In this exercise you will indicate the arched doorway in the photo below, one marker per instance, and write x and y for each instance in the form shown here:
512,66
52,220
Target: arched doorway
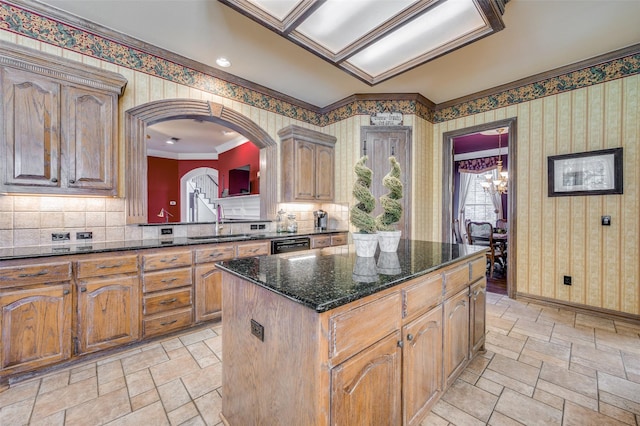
136,121
194,204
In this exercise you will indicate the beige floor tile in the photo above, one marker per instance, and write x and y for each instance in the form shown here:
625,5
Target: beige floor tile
19,392
575,382
570,395
150,415
489,386
526,359
549,399
595,322
620,387
504,345
547,352
626,343
578,334
585,371
619,414
508,382
532,329
215,344
527,410
83,372
514,369
455,415
183,413
616,401
17,413
173,369
173,395
198,336
203,381
54,381
110,371
195,421
172,344
144,359
119,355
631,364
499,419
178,353
56,419
139,382
144,399
557,316
471,399
575,415
64,398
608,362
433,419
210,406
104,388
100,410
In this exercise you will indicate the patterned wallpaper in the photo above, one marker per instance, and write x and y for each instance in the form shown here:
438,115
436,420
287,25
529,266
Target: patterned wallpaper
23,22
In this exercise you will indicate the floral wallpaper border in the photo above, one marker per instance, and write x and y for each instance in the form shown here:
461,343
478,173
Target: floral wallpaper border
48,30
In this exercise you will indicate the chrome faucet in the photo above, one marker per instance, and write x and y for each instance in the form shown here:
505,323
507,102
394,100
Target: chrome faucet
219,217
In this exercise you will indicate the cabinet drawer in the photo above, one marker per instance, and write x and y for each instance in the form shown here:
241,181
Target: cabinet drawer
253,249
166,301
319,242
456,279
171,259
338,239
164,323
478,268
164,280
360,327
12,276
107,266
420,296
216,253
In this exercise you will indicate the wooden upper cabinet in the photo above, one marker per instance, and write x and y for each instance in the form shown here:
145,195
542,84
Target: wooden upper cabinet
59,133
307,164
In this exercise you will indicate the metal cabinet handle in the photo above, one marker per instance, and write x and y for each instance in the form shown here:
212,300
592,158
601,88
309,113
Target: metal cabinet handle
168,301
116,265
168,280
169,322
37,274
173,259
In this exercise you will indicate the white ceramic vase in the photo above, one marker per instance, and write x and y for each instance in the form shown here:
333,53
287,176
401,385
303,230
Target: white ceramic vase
389,240
365,244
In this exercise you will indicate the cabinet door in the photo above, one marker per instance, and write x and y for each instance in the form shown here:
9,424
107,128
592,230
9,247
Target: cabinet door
324,174
208,293
365,389
456,334
305,169
30,145
478,303
88,132
36,326
108,312
422,365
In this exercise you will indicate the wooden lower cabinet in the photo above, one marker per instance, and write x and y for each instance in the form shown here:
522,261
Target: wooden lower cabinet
108,313
366,389
208,280
36,326
421,365
456,335
477,315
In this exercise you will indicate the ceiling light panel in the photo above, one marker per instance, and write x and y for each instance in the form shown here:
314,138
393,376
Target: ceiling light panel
338,23
440,26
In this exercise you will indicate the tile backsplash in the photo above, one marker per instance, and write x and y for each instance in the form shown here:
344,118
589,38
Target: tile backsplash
30,220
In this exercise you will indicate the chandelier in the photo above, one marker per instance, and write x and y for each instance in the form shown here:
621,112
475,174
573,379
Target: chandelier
497,184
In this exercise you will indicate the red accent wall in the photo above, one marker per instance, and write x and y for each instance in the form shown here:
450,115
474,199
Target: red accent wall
247,153
163,186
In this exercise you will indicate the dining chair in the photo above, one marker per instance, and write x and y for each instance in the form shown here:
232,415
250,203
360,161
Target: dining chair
481,234
501,224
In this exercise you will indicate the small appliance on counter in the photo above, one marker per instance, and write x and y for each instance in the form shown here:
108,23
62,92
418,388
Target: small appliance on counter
321,220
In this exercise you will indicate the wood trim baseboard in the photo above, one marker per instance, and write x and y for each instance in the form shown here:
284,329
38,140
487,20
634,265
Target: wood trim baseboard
580,308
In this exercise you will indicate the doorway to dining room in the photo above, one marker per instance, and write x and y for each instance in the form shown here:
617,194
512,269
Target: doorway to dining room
475,190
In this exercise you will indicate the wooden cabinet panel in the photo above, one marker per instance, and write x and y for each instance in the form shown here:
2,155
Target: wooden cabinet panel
208,293
456,279
456,335
320,241
477,315
108,313
304,171
216,253
356,329
166,259
12,276
165,280
324,173
36,326
339,239
111,265
159,324
421,365
422,294
366,389
478,268
253,249
166,300
31,141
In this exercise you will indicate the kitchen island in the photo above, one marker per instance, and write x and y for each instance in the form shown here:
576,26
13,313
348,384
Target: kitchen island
325,337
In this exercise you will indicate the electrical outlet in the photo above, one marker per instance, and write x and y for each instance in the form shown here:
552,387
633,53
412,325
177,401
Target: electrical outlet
60,236
257,330
567,280
166,231
84,235
254,226
606,220
262,226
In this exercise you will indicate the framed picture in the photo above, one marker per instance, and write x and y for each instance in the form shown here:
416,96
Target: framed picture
586,173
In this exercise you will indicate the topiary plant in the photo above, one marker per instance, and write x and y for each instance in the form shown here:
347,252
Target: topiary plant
361,216
389,201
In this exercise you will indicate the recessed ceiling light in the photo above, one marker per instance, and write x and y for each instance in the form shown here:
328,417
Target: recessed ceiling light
223,62
227,132
172,141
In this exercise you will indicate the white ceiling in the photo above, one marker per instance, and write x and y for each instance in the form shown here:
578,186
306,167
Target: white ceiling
540,35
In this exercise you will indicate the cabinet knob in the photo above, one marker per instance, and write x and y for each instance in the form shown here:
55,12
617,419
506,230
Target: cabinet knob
72,181
409,337
54,180
65,292
83,289
400,343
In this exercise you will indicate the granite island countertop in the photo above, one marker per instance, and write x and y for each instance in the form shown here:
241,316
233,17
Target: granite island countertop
59,249
324,279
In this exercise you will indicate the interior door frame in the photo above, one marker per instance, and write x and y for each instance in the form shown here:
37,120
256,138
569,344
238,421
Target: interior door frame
447,189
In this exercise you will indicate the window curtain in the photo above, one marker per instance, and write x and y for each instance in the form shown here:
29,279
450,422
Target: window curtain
496,198
466,180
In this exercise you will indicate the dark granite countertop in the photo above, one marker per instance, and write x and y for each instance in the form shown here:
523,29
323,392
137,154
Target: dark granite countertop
58,249
324,279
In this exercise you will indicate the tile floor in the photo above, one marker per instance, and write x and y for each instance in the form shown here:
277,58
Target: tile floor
543,366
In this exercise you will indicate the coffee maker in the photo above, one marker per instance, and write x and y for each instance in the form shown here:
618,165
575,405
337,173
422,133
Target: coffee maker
320,220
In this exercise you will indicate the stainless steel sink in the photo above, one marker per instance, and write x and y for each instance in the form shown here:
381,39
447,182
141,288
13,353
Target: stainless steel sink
229,237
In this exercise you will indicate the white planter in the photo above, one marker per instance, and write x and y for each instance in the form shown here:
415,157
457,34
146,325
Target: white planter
389,240
366,244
